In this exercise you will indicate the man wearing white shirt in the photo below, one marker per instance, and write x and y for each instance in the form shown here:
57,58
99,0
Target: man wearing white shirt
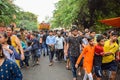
59,46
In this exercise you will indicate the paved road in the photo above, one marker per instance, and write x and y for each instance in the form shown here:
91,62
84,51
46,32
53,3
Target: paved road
45,72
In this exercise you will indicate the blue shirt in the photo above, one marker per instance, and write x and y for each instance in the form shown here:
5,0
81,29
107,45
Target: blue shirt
50,40
10,71
36,44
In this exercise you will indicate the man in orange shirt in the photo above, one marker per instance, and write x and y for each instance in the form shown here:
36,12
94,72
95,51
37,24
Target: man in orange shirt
88,53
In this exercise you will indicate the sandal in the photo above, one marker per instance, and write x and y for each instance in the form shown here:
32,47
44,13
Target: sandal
68,68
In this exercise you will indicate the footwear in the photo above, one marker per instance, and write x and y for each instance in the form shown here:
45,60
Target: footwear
27,67
33,65
56,59
68,68
44,55
51,64
74,78
37,63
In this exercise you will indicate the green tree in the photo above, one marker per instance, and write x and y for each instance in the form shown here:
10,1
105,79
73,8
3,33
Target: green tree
84,12
65,13
7,11
26,20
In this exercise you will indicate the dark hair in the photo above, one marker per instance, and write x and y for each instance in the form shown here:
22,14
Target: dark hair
99,38
11,26
34,34
89,38
50,31
4,34
114,33
19,35
1,52
21,29
91,31
74,27
105,34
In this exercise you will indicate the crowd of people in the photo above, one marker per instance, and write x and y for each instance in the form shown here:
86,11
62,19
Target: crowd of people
96,54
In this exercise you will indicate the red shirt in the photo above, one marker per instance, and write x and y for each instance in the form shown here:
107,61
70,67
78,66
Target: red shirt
99,50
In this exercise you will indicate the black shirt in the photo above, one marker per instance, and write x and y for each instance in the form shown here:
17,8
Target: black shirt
74,45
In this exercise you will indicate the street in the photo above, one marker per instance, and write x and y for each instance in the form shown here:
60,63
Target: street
46,72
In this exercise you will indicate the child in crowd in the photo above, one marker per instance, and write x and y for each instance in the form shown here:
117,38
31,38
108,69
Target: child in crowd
88,53
99,52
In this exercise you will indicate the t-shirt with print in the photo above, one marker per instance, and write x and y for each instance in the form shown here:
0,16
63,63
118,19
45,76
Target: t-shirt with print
74,45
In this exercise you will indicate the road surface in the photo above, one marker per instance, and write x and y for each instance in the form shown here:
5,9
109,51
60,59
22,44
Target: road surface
46,72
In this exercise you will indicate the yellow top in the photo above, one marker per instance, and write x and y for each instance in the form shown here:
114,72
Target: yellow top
13,43
110,48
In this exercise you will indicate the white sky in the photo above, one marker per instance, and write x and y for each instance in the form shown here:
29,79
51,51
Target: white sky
42,8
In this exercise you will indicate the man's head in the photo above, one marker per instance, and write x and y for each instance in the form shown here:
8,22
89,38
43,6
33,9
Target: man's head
50,32
91,40
92,33
74,30
33,35
114,36
100,40
86,30
58,33
22,30
41,32
105,35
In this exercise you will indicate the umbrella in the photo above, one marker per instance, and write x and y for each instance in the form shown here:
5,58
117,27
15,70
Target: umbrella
111,22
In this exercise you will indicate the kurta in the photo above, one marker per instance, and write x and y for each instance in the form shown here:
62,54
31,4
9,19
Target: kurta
10,71
88,53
